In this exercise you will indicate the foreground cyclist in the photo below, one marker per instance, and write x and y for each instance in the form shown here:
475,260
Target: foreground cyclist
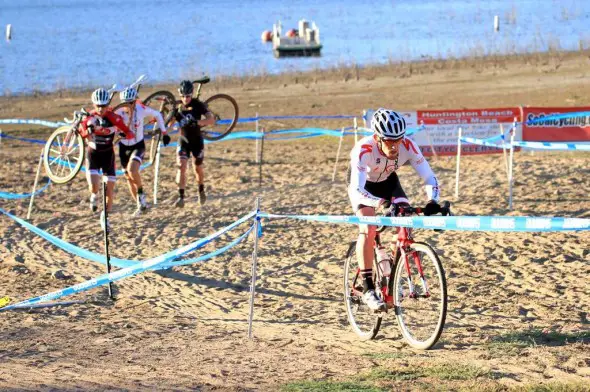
100,128
374,161
131,151
189,120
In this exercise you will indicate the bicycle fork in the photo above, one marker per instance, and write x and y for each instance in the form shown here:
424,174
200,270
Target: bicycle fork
411,287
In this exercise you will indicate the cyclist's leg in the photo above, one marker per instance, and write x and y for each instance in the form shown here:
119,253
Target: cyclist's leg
109,170
92,168
198,151
133,169
182,155
397,193
199,155
124,155
364,248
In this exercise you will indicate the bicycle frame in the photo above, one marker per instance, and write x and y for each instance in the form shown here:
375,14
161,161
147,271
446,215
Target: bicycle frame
401,251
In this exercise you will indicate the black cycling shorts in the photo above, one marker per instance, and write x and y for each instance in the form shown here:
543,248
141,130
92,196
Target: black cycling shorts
389,189
102,160
126,153
194,146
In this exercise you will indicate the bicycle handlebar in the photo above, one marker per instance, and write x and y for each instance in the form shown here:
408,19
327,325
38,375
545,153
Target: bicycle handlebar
396,210
78,114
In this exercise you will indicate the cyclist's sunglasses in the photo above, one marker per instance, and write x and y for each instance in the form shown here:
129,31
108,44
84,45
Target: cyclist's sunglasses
390,142
186,95
101,106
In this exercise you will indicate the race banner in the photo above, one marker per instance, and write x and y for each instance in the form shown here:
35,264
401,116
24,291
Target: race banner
572,129
441,128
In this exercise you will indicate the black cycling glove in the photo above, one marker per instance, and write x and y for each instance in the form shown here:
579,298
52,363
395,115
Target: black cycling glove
431,208
166,139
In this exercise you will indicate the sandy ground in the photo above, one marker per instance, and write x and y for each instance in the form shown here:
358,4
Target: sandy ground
518,307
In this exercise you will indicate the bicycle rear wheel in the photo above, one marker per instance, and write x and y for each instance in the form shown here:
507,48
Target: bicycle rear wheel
165,103
225,110
364,322
420,305
63,155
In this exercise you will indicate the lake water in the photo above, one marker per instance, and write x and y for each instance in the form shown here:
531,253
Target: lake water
78,43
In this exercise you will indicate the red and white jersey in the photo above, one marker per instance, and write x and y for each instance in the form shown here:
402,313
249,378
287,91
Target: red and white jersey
140,112
367,163
100,130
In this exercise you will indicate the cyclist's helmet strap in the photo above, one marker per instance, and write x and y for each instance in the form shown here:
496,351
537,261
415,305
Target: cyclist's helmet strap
186,87
100,96
388,124
128,95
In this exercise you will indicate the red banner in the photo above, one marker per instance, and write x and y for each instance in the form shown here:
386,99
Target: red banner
468,116
441,129
573,129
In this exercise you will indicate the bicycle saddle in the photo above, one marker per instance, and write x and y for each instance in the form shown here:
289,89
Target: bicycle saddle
203,80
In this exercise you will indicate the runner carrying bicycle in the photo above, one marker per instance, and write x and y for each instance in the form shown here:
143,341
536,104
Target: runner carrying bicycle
188,115
100,128
131,151
374,183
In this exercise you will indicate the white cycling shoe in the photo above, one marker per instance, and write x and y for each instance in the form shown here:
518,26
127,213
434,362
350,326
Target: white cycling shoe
372,301
142,202
93,205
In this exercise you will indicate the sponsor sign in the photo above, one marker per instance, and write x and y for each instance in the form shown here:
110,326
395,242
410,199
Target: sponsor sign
572,129
442,129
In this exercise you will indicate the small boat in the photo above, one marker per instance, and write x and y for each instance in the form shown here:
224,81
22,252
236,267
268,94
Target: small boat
302,42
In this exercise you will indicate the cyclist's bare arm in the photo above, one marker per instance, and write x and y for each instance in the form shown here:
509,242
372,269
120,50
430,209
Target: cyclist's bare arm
208,120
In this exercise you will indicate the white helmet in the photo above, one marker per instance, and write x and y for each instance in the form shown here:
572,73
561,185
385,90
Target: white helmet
100,96
128,95
388,124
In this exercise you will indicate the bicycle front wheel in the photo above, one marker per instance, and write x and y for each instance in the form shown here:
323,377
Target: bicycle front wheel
420,300
225,111
63,155
165,103
364,322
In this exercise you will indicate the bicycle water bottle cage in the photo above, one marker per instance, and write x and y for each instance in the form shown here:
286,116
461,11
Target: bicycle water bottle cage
203,80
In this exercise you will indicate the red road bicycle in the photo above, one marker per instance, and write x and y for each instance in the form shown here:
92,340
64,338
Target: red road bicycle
416,288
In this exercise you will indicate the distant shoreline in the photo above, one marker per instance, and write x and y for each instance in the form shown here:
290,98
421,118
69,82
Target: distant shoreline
345,72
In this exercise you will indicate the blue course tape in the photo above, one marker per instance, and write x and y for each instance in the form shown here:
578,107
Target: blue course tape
24,139
464,223
556,146
153,263
8,195
552,146
207,256
49,124
73,249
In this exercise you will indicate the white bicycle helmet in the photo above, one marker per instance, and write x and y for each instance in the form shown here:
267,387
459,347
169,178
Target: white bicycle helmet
128,95
388,124
100,97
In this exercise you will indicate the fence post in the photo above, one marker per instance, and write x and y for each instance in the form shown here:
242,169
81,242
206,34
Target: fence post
356,136
260,158
157,172
254,262
504,148
511,171
458,164
106,231
35,185
257,142
338,155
